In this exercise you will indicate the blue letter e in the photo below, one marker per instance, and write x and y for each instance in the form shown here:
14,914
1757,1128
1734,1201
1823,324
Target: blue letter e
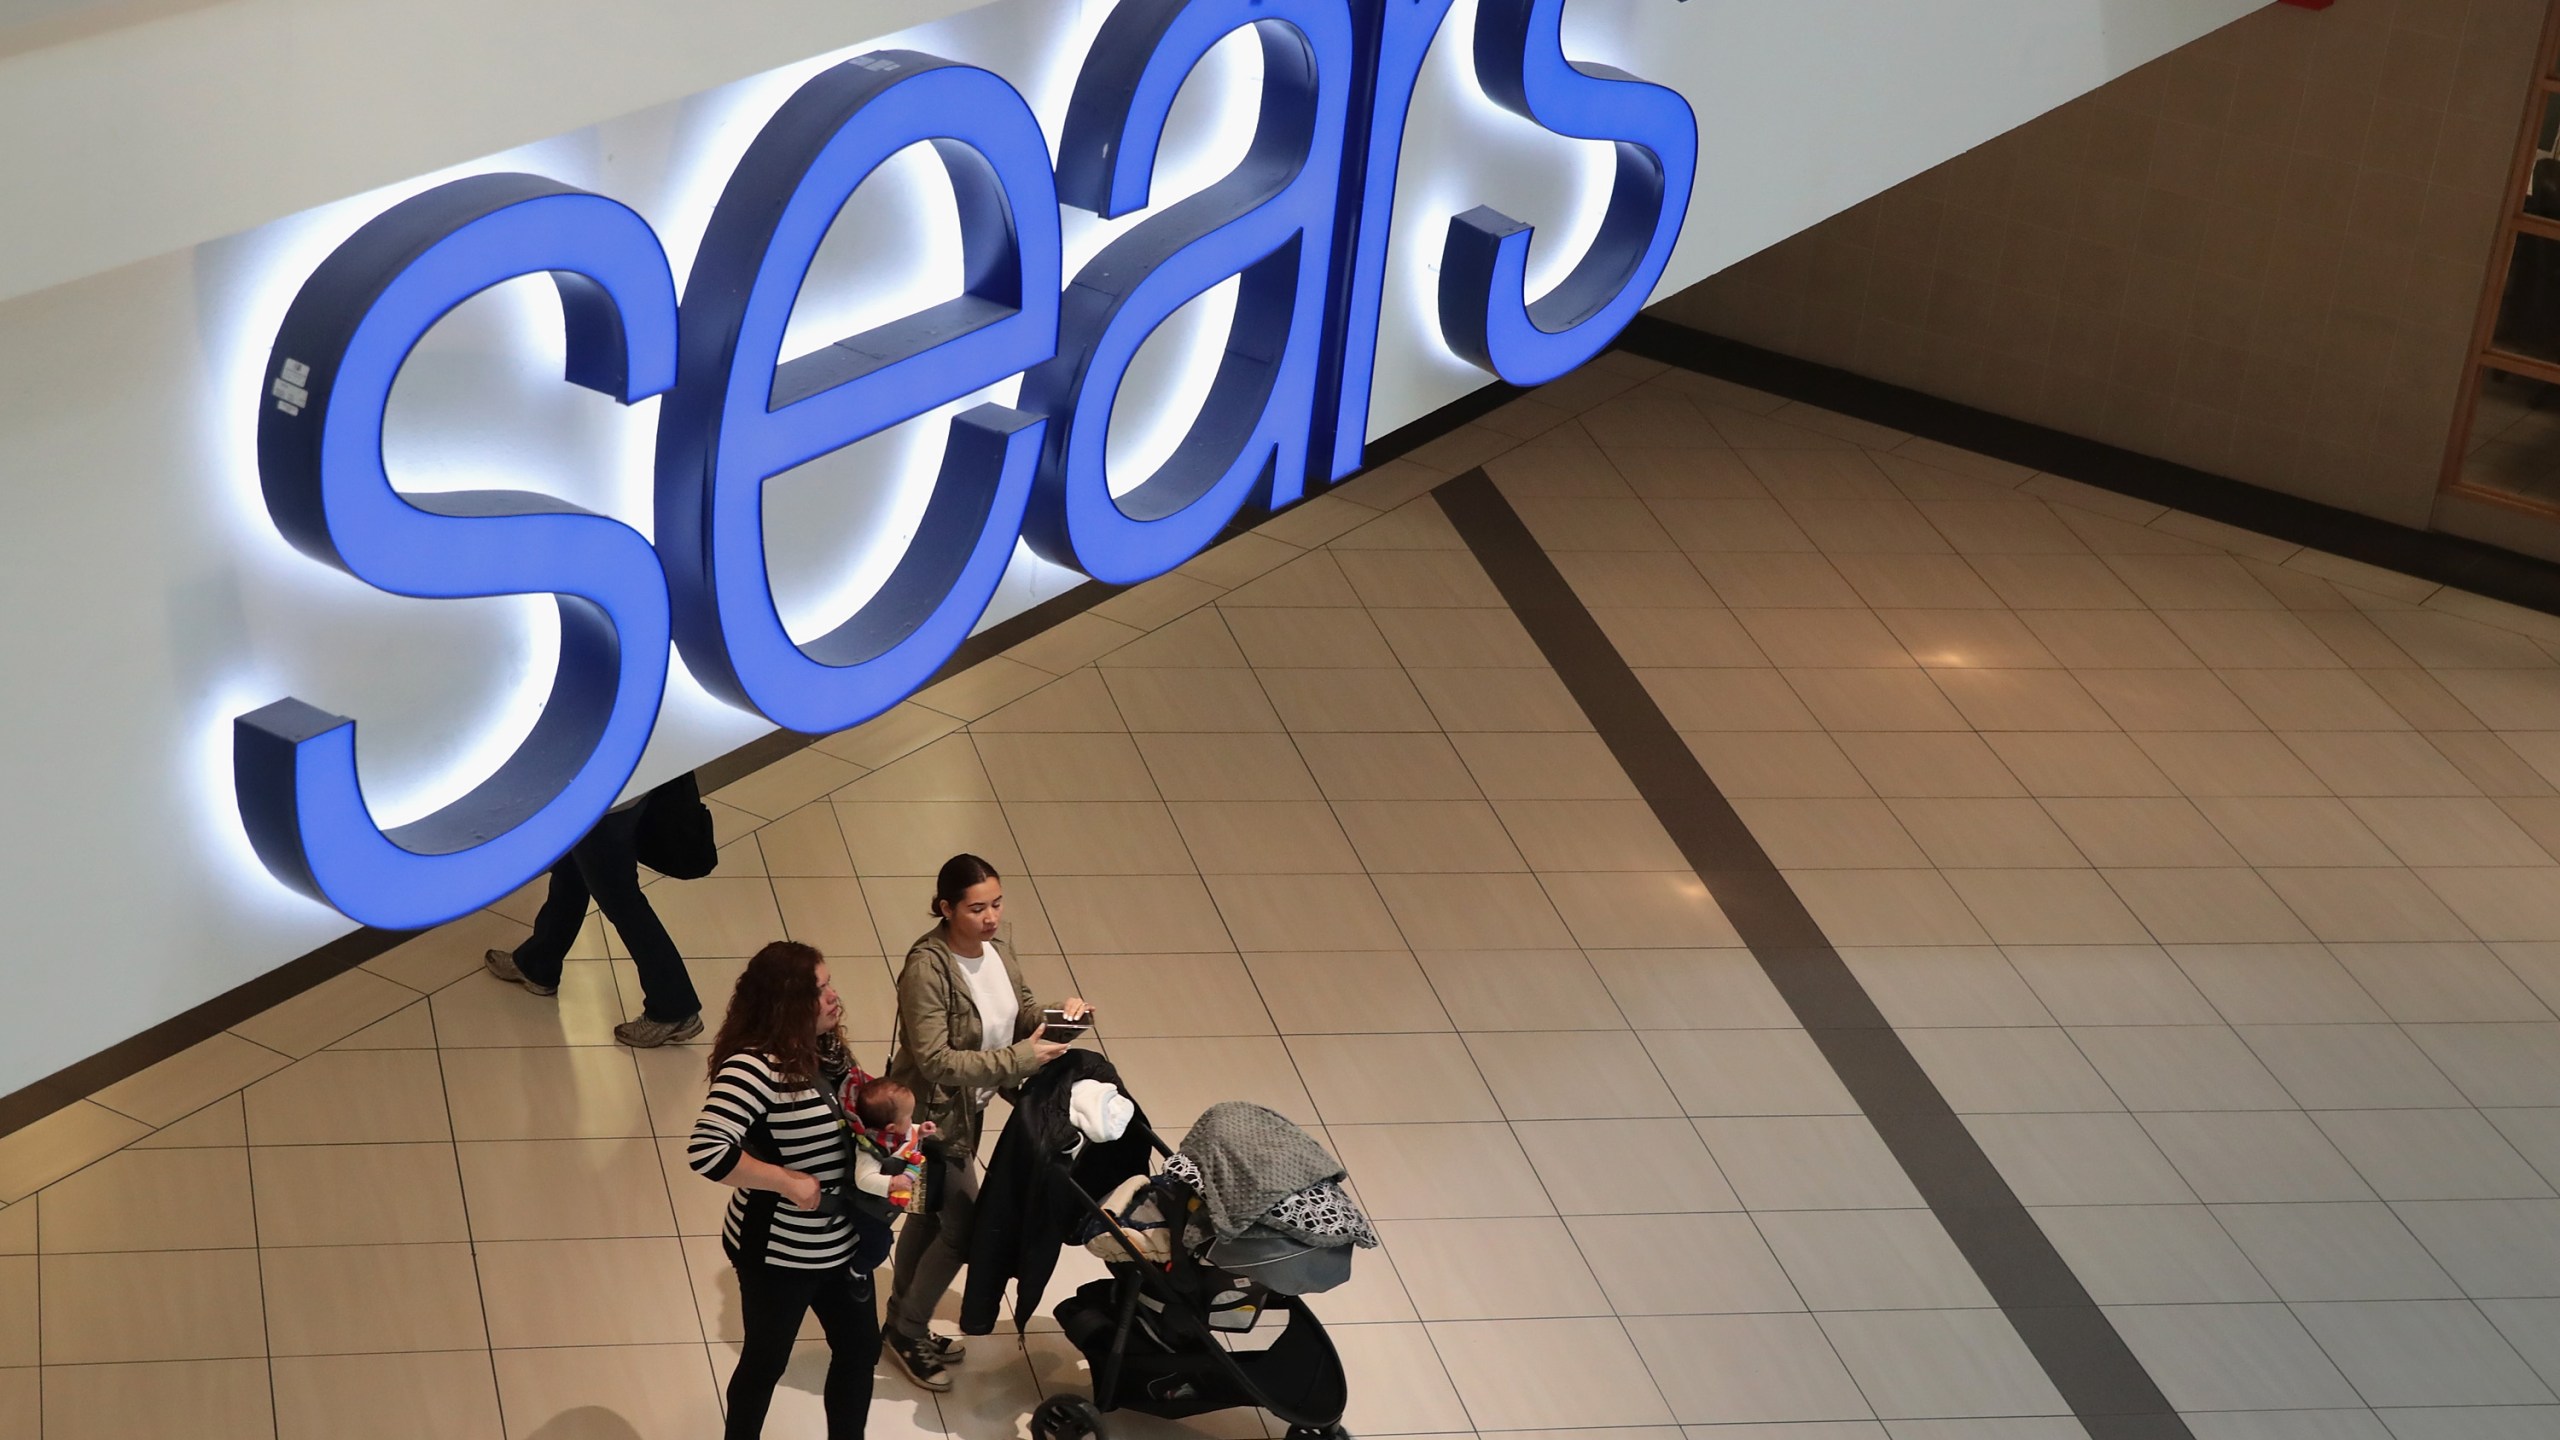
320,463
1268,223
1485,313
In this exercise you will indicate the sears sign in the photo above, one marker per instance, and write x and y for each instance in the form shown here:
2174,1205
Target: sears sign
1301,226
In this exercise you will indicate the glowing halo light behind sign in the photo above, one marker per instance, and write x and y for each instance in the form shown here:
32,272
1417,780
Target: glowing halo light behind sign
1300,224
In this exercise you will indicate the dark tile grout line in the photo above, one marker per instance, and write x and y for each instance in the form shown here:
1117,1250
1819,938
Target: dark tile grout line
84,1078
2483,569
2078,1347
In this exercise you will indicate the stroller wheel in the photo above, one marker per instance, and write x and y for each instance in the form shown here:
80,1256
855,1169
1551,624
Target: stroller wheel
1066,1417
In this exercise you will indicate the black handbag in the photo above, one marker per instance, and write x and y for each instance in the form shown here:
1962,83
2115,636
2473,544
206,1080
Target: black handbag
675,837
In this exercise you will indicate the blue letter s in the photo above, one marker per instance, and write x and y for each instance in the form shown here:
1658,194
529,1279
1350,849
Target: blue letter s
1484,311
341,346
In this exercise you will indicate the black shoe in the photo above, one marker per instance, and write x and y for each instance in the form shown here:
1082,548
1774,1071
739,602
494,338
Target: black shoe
953,1351
921,1359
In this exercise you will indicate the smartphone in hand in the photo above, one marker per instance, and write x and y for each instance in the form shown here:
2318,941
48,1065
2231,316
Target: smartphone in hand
1055,1026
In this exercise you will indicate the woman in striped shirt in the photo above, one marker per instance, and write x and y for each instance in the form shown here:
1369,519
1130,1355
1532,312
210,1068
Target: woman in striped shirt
799,1242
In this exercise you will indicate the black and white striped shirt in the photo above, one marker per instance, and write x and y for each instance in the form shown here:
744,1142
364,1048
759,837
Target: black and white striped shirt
762,1226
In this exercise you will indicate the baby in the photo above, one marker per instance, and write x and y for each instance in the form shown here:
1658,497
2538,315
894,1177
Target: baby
888,1155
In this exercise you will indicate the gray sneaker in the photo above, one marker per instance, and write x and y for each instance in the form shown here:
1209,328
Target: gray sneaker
502,963
647,1034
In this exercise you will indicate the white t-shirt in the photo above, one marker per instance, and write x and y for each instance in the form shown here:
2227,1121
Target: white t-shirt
999,1008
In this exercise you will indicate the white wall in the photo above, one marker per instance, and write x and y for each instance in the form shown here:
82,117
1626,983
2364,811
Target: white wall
145,599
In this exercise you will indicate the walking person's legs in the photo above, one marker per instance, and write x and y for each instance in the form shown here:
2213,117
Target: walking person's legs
536,963
931,1251
771,1301
843,1302
609,862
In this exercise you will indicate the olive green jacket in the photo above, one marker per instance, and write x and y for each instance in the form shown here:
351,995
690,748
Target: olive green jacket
936,1050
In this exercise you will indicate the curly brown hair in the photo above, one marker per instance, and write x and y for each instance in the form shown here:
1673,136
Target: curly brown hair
774,1010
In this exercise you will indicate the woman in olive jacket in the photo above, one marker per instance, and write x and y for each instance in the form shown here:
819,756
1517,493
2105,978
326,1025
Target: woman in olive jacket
967,1027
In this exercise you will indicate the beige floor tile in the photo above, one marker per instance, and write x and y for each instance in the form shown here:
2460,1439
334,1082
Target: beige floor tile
1198,639
1684,1264
1749,1370
806,842
2180,1067
1152,995
1444,1171
1767,580
357,1194
1345,991
1267,837
2192,582
1112,914
898,732
350,1097
981,689
1307,637
2079,1159
1807,1162
2207,906
1921,764
216,1125
2508,699
1872,1260
1499,700
186,1082
1398,1386
2000,527
832,914
164,1305
1076,641
943,769
1192,701
2250,640
1916,582
1313,579
1834,638
1521,990
1873,700
1392,1079
2168,700
515,1187
2438,983
2131,832
1978,833
914,837
18,1230
2054,582
22,1401
450,951
1077,703
2247,1157
1602,524
1886,907
19,1286
326,1013
1355,700
353,1300
587,1292
794,780
1689,989
2047,907
2229,764
1969,639
1747,1072
1645,578
410,1028
1299,912
1777,764
1572,835
1175,1079
2431,1155
2365,764
2035,701
1459,637
1476,912
477,1011
718,916
2277,984
1526,1374
2364,905
1227,767
1428,836
2015,1069
151,1200
1927,986
39,1153
2501,903
1717,701
1442,1265
619,1392
1640,911
1098,838
2111,985
446,1395
2294,830
1660,636
2448,831
1565,1074
701,1205
1657,1166
201,1399
2112,639
1065,767
1389,767
546,1094
2295,700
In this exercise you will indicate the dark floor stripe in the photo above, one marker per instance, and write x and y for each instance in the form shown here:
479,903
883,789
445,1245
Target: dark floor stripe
2088,1362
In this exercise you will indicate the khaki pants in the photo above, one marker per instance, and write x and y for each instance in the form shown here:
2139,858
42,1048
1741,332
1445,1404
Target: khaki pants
931,1251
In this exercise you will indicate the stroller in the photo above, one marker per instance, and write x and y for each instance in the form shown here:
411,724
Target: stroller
1151,1333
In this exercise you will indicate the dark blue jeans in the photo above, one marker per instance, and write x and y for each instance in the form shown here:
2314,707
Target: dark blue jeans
606,865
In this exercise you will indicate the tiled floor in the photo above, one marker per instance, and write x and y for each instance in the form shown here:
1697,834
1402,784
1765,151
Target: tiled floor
2211,880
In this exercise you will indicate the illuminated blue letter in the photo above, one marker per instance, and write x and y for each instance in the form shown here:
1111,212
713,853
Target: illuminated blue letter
739,417
1270,222
1485,313
320,462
